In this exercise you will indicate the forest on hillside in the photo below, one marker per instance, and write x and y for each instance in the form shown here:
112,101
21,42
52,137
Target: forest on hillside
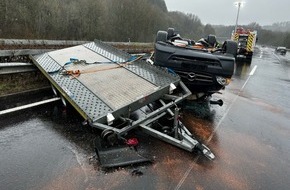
279,26
265,36
109,20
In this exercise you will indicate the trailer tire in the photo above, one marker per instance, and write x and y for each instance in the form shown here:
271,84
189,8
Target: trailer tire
230,47
167,130
109,136
161,36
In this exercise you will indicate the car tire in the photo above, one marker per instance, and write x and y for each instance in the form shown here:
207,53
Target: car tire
211,39
230,47
170,33
161,36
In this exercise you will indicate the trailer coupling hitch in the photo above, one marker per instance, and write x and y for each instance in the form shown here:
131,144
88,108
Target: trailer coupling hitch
205,151
218,102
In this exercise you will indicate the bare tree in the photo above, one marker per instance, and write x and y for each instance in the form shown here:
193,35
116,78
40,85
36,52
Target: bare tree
208,29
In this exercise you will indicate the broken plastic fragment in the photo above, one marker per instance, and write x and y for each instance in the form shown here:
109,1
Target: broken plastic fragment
132,142
171,88
110,118
136,172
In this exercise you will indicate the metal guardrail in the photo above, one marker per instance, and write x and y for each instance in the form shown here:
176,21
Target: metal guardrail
11,110
20,52
67,43
11,68
14,42
17,46
9,42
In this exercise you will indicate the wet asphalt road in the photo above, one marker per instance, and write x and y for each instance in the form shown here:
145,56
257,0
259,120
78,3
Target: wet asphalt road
45,148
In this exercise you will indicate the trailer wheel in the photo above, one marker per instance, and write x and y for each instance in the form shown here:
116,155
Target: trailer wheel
167,130
109,136
161,36
170,33
230,47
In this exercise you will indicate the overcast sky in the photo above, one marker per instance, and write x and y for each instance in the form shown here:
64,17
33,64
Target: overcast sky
264,12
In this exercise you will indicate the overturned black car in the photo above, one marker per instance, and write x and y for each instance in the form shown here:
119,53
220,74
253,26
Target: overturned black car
281,50
203,68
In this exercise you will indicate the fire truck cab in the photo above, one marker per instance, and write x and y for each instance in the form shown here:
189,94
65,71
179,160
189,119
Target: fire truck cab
246,40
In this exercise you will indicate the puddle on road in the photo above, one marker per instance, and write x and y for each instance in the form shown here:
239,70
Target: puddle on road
76,167
242,68
260,102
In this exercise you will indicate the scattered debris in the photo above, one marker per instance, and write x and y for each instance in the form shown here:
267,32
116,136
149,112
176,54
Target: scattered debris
136,172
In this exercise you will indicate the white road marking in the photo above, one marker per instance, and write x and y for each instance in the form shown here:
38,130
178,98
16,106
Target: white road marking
216,128
253,70
185,175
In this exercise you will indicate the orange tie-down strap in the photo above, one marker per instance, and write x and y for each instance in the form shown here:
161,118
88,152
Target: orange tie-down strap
77,73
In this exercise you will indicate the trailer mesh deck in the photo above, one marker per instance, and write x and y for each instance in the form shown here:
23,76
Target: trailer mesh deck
105,84
108,81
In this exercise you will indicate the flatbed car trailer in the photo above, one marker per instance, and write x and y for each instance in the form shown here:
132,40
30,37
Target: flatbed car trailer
107,87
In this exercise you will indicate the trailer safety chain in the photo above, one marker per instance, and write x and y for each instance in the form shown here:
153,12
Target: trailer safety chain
74,73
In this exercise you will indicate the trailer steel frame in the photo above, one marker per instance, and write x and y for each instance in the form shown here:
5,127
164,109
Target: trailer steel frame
111,86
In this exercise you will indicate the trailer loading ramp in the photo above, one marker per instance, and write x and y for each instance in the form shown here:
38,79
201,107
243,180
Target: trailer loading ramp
106,85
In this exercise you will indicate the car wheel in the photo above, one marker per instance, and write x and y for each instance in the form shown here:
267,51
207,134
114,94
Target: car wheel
230,47
211,39
161,36
170,33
